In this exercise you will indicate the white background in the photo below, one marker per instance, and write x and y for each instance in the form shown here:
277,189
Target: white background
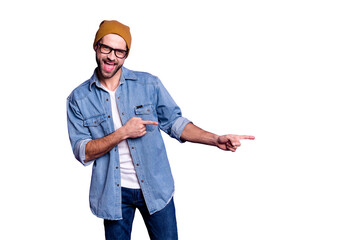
283,71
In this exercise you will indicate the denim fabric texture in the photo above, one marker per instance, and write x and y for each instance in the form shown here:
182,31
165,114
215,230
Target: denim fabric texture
160,225
89,117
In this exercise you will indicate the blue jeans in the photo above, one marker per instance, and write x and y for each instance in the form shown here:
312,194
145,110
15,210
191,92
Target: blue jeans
160,225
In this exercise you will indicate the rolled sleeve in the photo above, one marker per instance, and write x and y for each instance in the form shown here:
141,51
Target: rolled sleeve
178,127
79,152
78,134
170,118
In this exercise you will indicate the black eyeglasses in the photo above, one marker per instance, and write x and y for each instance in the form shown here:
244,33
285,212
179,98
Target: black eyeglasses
120,53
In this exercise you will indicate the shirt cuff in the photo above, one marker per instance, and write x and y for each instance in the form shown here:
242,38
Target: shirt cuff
80,152
178,127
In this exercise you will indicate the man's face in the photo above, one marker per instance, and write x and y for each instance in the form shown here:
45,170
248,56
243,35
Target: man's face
109,64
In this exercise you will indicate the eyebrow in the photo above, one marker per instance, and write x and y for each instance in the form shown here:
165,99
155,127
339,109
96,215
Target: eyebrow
117,49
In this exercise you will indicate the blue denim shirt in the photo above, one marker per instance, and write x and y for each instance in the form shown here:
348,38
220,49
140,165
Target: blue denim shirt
89,117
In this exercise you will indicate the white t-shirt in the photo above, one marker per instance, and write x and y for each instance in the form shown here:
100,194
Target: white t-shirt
127,169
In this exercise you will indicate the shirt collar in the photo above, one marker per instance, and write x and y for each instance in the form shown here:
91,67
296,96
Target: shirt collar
126,74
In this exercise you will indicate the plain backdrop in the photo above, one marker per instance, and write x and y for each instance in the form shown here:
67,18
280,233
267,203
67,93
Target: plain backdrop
283,71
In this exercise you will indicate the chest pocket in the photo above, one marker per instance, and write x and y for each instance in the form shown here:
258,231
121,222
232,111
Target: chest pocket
147,112
144,109
96,125
94,121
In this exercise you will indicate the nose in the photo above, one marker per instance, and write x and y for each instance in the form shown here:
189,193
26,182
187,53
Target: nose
111,55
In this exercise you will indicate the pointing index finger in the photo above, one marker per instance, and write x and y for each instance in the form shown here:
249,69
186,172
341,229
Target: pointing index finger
246,137
149,122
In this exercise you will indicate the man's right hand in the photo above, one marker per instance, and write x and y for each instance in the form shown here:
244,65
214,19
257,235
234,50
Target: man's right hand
136,127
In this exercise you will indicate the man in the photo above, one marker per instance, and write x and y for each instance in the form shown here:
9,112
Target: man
114,122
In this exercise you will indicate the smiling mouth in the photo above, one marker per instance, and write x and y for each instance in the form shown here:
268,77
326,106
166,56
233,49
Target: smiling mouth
109,66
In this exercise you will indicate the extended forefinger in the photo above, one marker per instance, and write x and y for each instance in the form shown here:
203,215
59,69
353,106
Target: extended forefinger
246,137
149,122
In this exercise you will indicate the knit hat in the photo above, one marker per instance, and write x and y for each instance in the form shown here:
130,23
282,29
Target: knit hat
107,27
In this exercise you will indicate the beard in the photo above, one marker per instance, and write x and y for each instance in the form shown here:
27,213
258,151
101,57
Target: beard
105,74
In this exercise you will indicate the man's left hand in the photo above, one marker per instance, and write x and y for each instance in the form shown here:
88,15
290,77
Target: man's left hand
231,142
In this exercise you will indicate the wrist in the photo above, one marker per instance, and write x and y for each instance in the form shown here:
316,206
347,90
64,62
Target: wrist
216,140
122,133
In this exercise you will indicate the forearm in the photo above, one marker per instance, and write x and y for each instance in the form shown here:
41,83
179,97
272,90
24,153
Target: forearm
195,134
98,147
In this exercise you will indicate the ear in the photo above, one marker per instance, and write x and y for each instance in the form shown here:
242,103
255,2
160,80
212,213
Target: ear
127,52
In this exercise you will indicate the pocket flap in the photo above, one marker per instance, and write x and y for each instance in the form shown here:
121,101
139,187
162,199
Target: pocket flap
144,109
94,121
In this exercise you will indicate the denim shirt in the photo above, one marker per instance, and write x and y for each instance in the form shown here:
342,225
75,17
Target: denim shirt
89,117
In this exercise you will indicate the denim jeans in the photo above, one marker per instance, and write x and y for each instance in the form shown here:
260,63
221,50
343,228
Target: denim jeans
160,225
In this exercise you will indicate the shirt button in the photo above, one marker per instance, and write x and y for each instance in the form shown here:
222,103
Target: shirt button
142,180
132,147
117,185
107,99
137,164
123,113
117,167
118,97
109,116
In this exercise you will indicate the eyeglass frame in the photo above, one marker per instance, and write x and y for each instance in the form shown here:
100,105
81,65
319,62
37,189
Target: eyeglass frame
113,49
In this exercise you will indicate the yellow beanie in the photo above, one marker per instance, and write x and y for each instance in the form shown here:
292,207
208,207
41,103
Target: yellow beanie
107,27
